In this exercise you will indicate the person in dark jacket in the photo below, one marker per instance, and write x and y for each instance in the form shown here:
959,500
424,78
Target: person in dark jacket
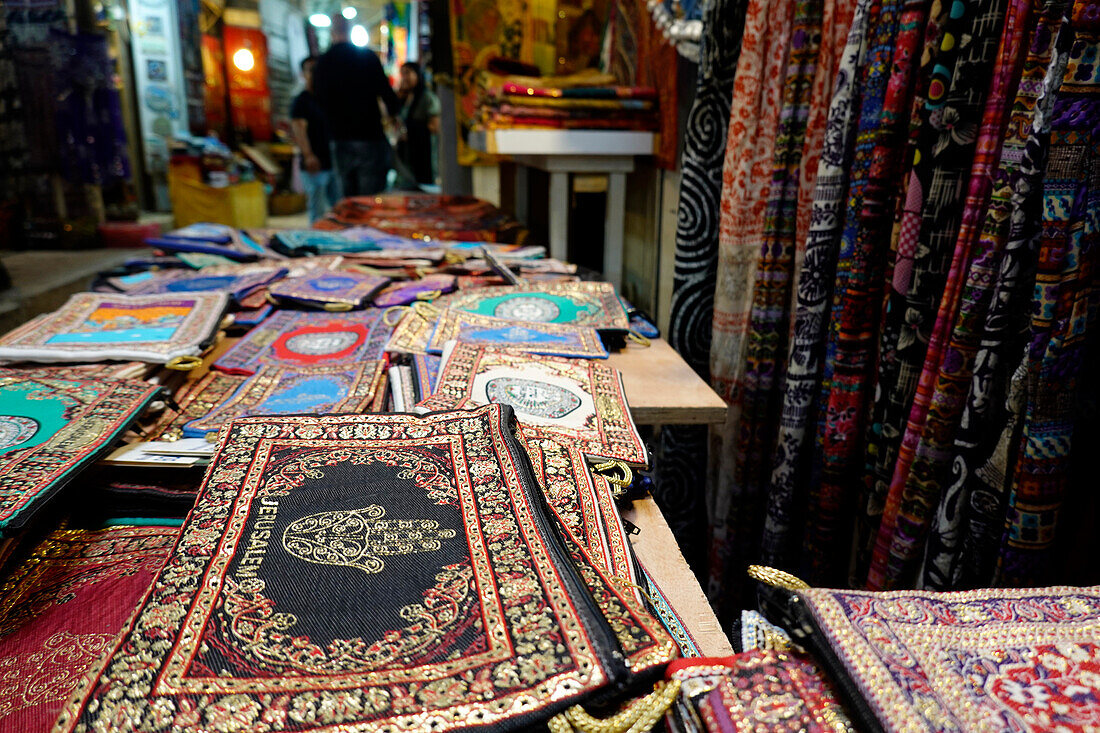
349,83
420,115
307,122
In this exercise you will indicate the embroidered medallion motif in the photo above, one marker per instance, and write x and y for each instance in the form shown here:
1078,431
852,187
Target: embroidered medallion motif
296,338
99,326
530,336
324,287
486,630
531,397
50,428
360,538
574,400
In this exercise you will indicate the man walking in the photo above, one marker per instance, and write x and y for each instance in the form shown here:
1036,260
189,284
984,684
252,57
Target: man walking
307,121
349,82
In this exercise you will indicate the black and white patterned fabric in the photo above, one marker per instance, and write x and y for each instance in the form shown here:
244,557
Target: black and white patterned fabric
681,470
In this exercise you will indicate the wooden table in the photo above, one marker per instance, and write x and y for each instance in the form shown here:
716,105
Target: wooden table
662,389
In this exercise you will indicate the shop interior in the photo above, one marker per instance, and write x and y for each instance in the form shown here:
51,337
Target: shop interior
572,365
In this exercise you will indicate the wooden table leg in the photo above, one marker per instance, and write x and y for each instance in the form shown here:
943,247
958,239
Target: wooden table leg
559,215
613,229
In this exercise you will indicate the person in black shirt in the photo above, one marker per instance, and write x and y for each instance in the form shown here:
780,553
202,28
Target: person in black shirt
349,82
307,122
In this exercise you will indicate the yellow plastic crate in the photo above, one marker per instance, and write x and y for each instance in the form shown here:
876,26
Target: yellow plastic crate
241,205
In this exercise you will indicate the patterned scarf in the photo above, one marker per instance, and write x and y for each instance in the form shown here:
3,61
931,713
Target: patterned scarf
852,321
968,521
746,186
767,331
1064,312
812,296
680,473
952,136
939,402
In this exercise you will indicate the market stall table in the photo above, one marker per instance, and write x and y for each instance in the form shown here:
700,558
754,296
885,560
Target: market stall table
661,390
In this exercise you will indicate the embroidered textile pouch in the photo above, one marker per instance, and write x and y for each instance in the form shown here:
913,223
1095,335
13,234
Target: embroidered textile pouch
365,571
551,339
996,659
53,427
591,304
237,281
214,239
303,242
273,390
579,401
102,326
330,290
758,690
62,607
408,291
297,339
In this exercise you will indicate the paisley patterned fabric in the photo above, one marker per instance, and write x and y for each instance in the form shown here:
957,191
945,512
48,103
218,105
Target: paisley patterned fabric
477,615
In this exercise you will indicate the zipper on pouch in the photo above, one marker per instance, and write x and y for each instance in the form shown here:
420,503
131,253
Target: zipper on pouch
606,644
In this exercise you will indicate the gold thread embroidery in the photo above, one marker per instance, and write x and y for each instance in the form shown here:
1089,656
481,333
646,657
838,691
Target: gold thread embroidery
360,538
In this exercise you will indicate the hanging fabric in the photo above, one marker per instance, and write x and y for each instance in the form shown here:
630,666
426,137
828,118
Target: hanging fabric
968,521
812,296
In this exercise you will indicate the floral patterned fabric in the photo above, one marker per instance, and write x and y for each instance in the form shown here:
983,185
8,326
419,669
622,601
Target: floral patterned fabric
1017,660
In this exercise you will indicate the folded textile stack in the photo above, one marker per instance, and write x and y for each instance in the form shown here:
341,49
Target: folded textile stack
586,100
543,105
426,217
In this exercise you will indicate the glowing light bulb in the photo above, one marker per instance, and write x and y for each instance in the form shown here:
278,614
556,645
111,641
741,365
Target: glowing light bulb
320,20
349,12
243,59
359,35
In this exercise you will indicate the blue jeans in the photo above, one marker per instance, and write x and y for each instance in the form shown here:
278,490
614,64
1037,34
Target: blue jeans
362,165
322,191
